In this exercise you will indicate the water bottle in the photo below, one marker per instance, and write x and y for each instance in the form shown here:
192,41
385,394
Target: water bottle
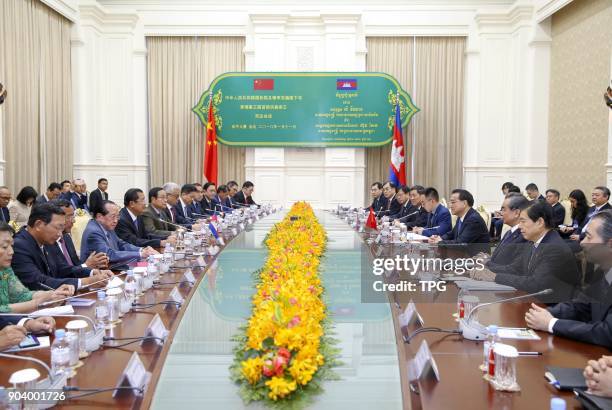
101,310
489,344
112,305
139,284
60,353
168,253
152,269
4,399
131,287
557,403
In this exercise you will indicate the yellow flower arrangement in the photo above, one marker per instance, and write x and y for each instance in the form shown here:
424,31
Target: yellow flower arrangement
280,351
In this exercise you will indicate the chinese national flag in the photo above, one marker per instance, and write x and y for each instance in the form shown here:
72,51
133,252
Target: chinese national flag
210,150
371,222
263,84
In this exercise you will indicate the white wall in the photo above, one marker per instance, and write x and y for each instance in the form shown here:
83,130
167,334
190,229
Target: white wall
506,103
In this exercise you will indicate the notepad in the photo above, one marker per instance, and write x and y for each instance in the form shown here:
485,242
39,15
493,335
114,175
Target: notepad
565,378
517,333
58,310
81,302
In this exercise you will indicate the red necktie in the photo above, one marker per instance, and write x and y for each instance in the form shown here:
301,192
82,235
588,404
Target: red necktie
65,252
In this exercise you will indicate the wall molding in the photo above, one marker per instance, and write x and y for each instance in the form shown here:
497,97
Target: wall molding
547,8
67,8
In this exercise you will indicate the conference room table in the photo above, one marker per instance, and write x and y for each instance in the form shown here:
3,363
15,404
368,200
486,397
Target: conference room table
192,367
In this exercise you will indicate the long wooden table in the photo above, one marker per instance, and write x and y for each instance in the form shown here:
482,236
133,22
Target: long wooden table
104,366
461,384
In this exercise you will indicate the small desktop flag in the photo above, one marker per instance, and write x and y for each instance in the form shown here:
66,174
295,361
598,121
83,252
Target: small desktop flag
397,169
213,230
346,84
371,222
263,84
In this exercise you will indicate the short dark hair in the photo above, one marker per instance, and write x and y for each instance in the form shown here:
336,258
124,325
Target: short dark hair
61,202
514,189
222,188
464,195
517,201
248,184
405,189
27,192
153,192
65,181
188,188
605,190
377,185
131,195
101,208
53,186
102,180
532,187
507,185
391,185
208,184
540,209
419,188
231,184
432,193
4,227
197,184
554,191
605,231
44,212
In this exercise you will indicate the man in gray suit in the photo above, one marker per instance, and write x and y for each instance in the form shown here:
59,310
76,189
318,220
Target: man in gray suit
155,217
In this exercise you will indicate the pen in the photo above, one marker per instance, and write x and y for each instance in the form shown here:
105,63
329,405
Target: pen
530,353
46,286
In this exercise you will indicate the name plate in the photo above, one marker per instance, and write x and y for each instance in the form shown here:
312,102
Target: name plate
423,365
176,296
409,315
188,276
134,375
156,328
200,262
234,232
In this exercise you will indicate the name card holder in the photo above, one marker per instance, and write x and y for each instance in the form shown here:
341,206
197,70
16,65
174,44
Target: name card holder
176,296
188,278
134,375
157,329
410,315
423,365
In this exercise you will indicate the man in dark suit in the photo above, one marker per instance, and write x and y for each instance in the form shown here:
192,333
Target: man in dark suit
208,205
438,218
78,197
406,208
417,199
232,190
552,197
98,195
197,206
131,224
173,202
533,192
63,251
5,198
600,197
31,261
393,205
244,197
470,231
222,202
547,264
379,201
588,318
183,207
512,244
53,191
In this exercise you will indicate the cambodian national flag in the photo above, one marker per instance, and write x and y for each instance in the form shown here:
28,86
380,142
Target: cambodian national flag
346,84
213,230
397,169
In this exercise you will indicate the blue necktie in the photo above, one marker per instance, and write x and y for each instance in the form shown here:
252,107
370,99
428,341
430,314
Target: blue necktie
459,223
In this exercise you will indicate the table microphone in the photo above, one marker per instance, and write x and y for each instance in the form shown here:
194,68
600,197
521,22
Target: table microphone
52,382
173,224
472,330
406,216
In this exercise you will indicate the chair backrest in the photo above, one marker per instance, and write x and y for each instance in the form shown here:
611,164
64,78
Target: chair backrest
486,215
505,229
443,202
80,223
568,211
